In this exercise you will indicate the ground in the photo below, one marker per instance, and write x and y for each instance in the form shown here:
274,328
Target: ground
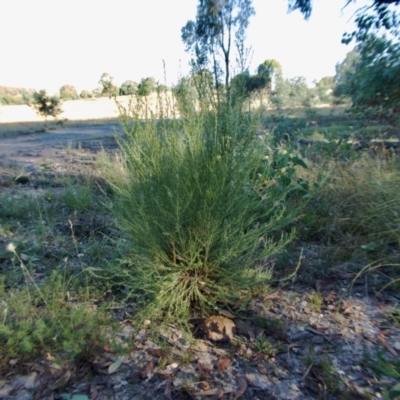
312,337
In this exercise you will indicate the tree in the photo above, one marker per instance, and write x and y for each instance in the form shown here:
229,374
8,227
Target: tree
85,94
268,71
146,86
68,92
372,79
98,92
108,87
210,37
292,92
128,88
381,14
45,105
324,89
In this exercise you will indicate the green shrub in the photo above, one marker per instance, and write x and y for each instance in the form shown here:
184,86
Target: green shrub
198,216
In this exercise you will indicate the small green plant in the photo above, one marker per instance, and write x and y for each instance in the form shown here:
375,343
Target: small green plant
316,301
77,197
50,318
263,345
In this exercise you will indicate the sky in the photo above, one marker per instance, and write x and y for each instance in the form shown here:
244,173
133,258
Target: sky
47,44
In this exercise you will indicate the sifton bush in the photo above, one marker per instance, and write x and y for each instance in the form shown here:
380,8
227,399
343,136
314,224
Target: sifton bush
198,213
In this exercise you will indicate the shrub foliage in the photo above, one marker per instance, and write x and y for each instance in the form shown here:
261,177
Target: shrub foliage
199,208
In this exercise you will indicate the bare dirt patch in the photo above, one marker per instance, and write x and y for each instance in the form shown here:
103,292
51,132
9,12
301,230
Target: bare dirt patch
66,149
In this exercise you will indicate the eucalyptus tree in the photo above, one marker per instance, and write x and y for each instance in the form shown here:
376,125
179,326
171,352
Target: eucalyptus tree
219,25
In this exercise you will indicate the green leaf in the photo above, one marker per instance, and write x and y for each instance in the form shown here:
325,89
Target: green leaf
67,396
115,365
394,392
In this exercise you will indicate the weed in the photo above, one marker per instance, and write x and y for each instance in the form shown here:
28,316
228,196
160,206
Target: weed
316,301
77,197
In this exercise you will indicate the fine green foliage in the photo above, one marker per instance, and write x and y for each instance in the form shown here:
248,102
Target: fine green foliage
198,213
45,105
36,321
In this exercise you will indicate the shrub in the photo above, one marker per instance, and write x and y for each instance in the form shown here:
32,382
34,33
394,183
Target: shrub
68,92
198,214
45,105
85,94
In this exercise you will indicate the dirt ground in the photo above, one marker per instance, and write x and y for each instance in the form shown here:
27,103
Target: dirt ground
57,149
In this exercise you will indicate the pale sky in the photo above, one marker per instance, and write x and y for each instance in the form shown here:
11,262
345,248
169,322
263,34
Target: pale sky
46,44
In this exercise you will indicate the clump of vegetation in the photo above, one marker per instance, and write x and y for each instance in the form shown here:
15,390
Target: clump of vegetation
49,318
199,205
45,105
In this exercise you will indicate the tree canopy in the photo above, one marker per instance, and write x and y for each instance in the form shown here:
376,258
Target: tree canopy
219,25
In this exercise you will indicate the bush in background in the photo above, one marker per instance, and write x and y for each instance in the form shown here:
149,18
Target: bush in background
45,105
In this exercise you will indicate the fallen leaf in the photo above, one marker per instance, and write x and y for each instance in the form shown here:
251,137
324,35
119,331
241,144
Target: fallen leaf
155,352
261,369
168,388
59,383
218,395
223,363
227,314
242,387
203,370
205,385
211,392
93,392
147,370
115,365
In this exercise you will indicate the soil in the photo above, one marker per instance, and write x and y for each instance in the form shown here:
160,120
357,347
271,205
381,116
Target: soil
56,149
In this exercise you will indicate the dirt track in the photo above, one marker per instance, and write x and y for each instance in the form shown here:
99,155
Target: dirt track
64,149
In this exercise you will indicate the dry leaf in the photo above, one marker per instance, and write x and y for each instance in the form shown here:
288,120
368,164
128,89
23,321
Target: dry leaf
24,257
223,363
227,314
168,388
219,328
203,370
205,385
242,387
59,383
211,392
147,370
218,395
93,392
155,352
261,369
